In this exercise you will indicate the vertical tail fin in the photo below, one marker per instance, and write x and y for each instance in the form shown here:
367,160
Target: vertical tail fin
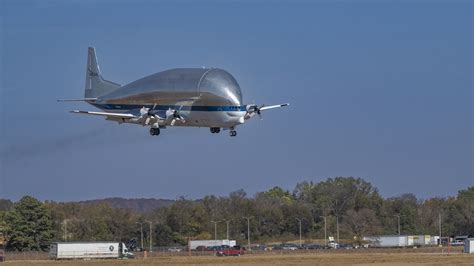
96,86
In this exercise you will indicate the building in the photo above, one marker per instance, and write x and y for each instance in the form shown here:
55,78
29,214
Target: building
469,245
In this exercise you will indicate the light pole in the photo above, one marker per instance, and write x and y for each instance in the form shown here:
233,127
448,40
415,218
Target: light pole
150,235
227,223
141,233
337,228
65,230
299,221
439,224
325,230
398,220
248,230
215,229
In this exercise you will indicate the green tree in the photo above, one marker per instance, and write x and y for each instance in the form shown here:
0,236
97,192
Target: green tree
464,208
29,225
164,236
361,223
5,205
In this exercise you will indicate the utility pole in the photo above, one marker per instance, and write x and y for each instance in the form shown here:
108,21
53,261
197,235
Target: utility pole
141,233
325,231
248,230
299,221
227,222
150,236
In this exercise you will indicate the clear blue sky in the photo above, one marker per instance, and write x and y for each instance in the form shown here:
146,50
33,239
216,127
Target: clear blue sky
378,90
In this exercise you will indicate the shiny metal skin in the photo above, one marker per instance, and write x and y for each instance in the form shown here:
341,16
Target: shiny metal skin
195,92
201,86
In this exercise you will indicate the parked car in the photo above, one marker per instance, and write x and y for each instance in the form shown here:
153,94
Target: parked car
202,248
175,249
314,246
260,247
345,246
457,243
289,246
230,252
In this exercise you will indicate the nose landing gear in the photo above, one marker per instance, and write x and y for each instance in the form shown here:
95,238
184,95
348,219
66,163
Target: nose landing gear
232,133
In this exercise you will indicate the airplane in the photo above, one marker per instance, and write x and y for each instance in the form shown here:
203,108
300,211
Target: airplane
189,97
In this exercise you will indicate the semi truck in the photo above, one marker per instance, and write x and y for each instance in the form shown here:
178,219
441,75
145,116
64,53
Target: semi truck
89,250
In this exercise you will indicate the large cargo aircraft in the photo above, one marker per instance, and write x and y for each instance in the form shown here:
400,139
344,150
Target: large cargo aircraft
192,97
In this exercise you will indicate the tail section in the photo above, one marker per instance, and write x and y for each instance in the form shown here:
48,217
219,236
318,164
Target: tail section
96,86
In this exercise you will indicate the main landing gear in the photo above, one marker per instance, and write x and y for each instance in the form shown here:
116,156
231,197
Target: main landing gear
232,131
154,131
215,129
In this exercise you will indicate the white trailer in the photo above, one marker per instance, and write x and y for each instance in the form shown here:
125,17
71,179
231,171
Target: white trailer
422,240
469,245
387,241
398,241
434,240
193,244
89,250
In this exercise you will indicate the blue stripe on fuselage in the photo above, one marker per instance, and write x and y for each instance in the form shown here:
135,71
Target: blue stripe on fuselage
173,107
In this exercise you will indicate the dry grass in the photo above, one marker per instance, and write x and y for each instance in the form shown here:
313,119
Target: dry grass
351,257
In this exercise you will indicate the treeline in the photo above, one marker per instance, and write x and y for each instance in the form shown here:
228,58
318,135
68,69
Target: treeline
350,206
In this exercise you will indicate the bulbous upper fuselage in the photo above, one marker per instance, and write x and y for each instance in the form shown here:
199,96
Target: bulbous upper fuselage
186,86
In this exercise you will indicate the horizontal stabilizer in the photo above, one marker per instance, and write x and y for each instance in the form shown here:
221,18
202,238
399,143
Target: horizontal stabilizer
78,100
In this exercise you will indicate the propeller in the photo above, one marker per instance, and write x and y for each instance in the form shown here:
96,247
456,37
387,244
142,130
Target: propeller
148,114
174,115
254,109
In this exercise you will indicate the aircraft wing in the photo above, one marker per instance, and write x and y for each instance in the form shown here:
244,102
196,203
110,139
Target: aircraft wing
110,116
273,106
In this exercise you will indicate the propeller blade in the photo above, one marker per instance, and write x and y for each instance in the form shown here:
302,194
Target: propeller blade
143,111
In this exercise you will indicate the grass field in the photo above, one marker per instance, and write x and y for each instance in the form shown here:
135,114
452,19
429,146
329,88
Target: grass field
374,257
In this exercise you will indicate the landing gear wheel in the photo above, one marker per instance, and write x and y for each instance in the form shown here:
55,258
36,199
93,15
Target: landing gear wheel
154,131
215,129
233,133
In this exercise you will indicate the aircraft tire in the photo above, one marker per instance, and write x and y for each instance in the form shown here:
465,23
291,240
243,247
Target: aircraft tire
154,131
